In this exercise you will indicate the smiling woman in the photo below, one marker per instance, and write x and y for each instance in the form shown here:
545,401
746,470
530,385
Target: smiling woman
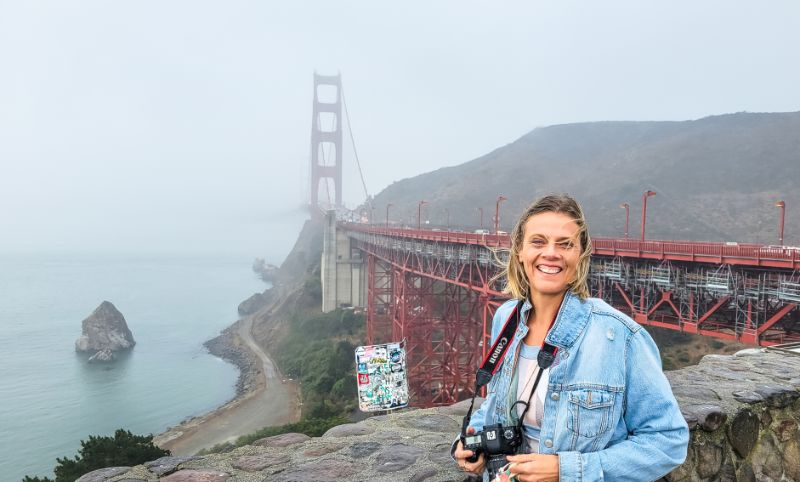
597,406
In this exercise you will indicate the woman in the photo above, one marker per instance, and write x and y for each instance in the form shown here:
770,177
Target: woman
603,410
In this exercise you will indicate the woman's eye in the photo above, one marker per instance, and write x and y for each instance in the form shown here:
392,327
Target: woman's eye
566,245
537,243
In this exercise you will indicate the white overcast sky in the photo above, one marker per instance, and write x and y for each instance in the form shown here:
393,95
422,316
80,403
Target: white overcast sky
184,125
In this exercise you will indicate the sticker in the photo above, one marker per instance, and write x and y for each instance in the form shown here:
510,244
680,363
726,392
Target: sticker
382,377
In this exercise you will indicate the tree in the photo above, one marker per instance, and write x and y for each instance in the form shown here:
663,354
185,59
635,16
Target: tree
123,449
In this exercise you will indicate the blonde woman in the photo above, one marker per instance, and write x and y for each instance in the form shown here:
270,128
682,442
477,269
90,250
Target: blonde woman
602,410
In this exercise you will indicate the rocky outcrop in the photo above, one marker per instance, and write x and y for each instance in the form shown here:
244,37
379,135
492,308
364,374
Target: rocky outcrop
743,412
104,330
264,270
253,304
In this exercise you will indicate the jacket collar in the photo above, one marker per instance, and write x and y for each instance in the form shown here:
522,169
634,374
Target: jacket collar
572,318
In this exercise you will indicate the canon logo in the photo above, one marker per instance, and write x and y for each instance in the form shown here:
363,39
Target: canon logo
500,345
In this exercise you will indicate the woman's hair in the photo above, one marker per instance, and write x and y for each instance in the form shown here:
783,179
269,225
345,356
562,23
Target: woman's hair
516,280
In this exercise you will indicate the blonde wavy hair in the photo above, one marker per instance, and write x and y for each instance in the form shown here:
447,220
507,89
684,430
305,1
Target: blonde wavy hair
516,282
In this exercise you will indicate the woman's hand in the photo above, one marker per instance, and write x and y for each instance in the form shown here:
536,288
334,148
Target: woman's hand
534,467
461,455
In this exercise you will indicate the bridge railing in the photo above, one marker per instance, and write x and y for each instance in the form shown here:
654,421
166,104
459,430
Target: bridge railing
722,253
787,257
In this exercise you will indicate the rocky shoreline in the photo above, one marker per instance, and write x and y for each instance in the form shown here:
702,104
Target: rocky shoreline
225,346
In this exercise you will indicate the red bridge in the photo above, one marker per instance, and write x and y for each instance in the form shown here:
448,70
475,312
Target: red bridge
437,290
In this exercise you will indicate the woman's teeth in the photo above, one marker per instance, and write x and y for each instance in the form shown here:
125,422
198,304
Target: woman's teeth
549,269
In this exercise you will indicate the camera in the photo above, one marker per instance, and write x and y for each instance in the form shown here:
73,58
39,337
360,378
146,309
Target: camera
495,442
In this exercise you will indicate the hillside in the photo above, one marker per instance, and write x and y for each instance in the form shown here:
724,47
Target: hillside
717,178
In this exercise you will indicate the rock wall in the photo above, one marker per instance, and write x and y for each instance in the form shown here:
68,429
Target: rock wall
743,411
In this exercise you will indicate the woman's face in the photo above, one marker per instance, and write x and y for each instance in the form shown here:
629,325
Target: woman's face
549,253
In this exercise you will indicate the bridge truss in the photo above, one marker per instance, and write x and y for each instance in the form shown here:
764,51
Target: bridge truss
438,291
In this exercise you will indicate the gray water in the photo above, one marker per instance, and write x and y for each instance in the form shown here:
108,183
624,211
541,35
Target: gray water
50,398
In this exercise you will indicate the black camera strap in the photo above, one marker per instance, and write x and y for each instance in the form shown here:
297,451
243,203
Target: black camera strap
545,358
493,360
495,356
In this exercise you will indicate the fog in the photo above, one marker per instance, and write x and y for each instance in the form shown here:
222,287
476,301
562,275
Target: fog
184,126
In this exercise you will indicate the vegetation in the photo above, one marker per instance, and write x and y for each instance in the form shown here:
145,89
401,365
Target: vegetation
715,178
123,449
313,427
318,351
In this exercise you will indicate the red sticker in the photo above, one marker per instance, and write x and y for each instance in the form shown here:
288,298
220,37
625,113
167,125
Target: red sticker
363,378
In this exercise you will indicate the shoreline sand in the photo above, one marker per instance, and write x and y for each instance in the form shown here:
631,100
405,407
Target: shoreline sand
264,398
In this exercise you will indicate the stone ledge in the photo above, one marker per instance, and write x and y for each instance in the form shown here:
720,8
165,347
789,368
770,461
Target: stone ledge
744,412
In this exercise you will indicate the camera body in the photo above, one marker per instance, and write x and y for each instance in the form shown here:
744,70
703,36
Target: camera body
495,442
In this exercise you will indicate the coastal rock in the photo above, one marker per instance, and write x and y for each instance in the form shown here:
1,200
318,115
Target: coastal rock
252,304
104,329
102,356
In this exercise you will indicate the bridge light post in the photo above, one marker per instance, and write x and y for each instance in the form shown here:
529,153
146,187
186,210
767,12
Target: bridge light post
497,213
646,195
481,210
782,205
387,214
447,212
419,214
627,208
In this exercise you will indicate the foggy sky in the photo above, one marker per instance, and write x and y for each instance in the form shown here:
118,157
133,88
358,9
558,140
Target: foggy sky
184,126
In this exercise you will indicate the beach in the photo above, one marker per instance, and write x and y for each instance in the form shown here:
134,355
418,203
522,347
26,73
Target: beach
267,400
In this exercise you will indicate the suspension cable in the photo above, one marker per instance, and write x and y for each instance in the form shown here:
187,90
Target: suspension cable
355,152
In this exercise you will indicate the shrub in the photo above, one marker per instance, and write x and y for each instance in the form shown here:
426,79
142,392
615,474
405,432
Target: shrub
123,449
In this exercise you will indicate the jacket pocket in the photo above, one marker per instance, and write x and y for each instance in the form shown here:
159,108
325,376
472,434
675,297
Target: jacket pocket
589,411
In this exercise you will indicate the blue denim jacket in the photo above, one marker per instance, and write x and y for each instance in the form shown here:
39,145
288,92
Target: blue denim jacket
609,412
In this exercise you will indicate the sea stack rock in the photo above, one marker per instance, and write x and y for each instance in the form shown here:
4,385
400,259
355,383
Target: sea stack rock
104,330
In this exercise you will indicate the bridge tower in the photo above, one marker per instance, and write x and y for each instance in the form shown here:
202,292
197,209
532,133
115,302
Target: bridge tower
326,141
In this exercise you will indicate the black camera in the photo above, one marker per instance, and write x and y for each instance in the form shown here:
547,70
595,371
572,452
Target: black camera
495,442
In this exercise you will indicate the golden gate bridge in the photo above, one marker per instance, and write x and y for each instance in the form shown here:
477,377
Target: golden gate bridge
438,289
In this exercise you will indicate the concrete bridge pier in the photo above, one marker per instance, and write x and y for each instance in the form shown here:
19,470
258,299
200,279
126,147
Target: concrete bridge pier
342,269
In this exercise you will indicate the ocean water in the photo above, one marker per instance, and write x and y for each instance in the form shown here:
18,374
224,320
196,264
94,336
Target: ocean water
50,398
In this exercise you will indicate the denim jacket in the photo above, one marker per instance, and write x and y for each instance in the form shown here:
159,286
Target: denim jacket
609,411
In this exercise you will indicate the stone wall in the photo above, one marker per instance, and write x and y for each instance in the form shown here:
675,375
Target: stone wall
743,411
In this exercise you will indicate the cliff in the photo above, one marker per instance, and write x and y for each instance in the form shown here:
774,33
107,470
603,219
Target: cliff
743,411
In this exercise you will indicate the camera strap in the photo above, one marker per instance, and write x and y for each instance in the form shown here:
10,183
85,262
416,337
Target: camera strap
493,360
495,356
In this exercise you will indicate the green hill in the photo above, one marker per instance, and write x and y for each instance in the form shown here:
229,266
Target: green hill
717,178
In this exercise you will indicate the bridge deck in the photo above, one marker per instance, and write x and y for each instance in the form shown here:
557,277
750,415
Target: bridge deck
755,255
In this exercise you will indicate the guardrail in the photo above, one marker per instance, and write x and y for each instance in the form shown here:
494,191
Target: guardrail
786,257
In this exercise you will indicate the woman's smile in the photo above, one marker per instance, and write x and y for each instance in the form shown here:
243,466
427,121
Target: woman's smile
549,253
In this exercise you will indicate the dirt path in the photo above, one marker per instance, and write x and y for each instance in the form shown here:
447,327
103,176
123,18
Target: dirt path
272,402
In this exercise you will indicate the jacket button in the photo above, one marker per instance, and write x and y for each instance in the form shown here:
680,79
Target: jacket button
554,396
548,443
